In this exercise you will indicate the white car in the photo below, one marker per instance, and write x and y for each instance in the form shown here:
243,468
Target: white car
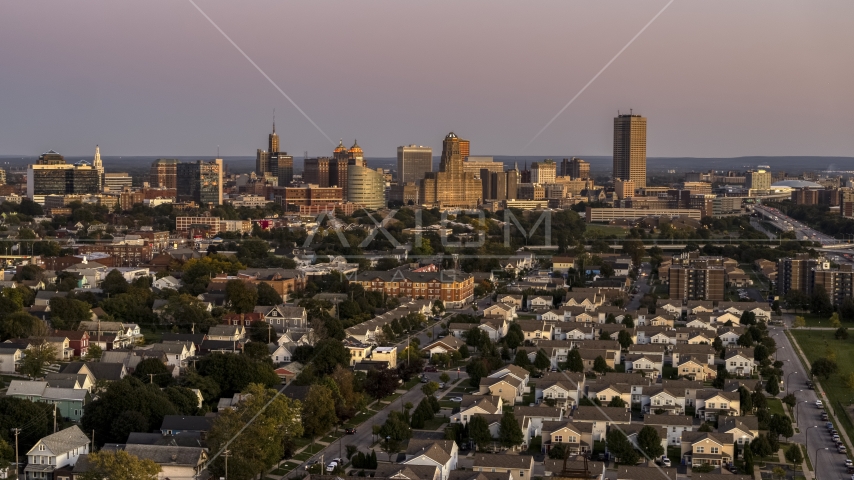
849,463
331,466
457,399
819,404
665,462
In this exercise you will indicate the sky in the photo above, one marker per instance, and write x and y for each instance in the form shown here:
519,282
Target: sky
714,79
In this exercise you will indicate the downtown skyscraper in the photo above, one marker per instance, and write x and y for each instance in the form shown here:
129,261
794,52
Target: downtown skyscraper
630,149
413,163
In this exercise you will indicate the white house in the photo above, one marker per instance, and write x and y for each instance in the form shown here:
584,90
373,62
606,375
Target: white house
442,454
55,451
675,425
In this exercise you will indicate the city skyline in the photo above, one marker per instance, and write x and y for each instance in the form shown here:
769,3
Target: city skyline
761,89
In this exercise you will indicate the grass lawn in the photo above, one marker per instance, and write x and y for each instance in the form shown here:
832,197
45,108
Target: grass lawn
601,231
411,383
775,406
302,456
535,446
674,454
435,423
312,449
806,457
360,418
300,442
813,320
814,344
448,404
390,398
330,438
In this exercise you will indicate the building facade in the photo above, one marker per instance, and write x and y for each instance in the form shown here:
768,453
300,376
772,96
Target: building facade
413,163
200,181
543,172
164,173
699,280
52,176
451,186
365,187
454,288
630,149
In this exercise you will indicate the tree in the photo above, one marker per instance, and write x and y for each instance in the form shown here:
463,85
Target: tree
152,370
625,338
328,354
114,283
318,411
514,336
650,442
509,431
628,322
841,333
558,451
781,425
67,313
772,386
21,325
794,455
120,465
834,320
444,377
748,460
17,412
820,301
600,365
824,368
746,400
620,446
233,373
542,360
263,332
760,446
261,443
257,351
479,432
799,322
241,296
430,388
267,295
93,353
778,473
381,382
574,362
705,427
36,359
617,402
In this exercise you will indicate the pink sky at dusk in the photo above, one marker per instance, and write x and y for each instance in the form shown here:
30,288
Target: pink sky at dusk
722,78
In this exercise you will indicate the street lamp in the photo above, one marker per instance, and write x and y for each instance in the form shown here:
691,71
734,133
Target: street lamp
807,433
787,381
815,457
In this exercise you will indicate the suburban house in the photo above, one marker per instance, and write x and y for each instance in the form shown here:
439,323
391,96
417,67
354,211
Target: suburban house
540,302
228,333
175,462
521,467
665,400
69,402
442,454
77,340
674,424
739,361
700,448
510,299
508,387
601,418
713,403
494,327
176,353
743,429
55,451
477,405
647,364
443,345
500,310
10,357
560,388
578,437
695,369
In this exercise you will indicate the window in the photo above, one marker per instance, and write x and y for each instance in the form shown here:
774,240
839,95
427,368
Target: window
572,439
713,449
724,405
558,438
698,450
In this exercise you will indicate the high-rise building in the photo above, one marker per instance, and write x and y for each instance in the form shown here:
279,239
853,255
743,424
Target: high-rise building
200,181
574,168
96,163
465,149
794,273
262,162
413,163
164,173
316,171
451,186
499,186
543,172
52,176
630,149
365,187
476,165
405,193
117,181
282,167
759,179
701,279
838,283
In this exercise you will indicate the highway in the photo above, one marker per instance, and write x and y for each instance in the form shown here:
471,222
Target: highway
787,224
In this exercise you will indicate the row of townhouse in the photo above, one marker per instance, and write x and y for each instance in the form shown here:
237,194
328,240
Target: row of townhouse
761,310
368,332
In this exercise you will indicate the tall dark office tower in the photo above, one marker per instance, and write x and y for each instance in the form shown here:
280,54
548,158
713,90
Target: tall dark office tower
282,166
52,176
316,171
452,186
164,173
630,149
51,158
264,160
413,163
273,140
200,182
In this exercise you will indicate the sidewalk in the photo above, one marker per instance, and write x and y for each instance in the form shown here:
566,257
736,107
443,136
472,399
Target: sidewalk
819,391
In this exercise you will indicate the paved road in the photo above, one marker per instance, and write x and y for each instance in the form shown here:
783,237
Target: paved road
643,287
829,463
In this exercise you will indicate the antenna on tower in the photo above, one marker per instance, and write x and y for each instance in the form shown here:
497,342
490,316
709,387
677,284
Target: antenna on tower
217,151
305,154
274,120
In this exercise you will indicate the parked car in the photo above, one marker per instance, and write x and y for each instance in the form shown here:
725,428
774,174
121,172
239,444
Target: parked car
829,425
841,449
430,368
457,399
819,404
331,467
732,468
442,385
350,431
664,461
425,380
849,463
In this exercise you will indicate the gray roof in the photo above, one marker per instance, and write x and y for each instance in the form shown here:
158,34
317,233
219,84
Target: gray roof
19,387
645,473
168,455
64,440
503,461
601,414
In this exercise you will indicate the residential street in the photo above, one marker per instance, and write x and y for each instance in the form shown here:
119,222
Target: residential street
829,463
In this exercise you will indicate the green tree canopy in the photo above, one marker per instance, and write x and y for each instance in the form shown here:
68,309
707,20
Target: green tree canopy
234,372
120,465
479,432
649,442
509,431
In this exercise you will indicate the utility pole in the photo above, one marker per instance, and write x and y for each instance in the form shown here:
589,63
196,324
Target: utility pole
150,378
16,431
269,329
54,418
225,455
